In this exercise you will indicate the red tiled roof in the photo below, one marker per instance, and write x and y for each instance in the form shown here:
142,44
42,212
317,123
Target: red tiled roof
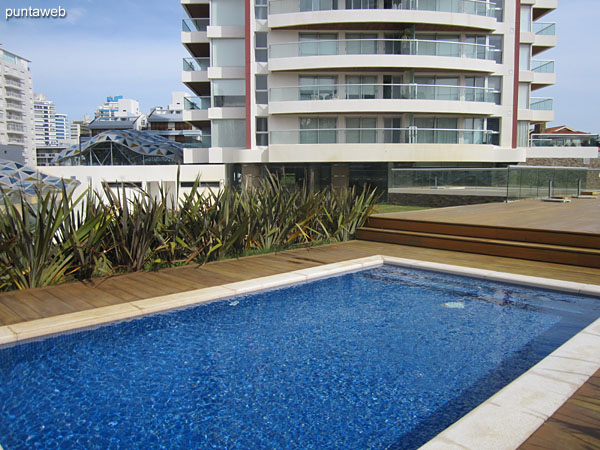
563,129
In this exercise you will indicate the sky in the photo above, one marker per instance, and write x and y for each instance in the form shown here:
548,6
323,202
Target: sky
133,48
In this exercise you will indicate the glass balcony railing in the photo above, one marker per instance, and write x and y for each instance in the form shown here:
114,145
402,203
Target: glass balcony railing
11,82
382,92
511,183
541,104
196,103
196,64
474,7
13,94
421,47
14,105
544,28
411,135
15,127
563,140
539,66
194,25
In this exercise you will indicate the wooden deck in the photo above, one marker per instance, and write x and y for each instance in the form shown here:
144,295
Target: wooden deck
581,215
565,233
575,425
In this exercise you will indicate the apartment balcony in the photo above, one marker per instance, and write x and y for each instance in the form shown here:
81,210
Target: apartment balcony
540,110
545,37
378,98
459,14
384,144
196,109
13,82
15,128
14,106
543,7
540,74
195,70
15,139
193,31
382,53
13,94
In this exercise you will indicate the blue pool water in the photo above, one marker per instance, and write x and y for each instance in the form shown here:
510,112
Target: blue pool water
379,359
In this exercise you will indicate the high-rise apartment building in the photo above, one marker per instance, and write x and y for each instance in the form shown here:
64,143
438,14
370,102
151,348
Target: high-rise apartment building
44,113
16,109
52,131
346,90
117,107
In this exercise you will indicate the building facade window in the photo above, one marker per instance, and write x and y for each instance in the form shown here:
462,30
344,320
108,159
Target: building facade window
493,126
315,44
361,87
229,133
393,87
495,84
522,133
430,130
524,96
262,131
361,4
227,13
525,18
262,90
361,130
260,9
318,130
525,57
228,53
318,5
261,51
473,130
361,43
318,87
229,93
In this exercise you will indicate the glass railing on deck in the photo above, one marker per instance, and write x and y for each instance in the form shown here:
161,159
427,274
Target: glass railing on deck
511,183
475,7
196,103
421,47
539,66
194,25
563,140
382,92
544,28
196,64
541,104
411,135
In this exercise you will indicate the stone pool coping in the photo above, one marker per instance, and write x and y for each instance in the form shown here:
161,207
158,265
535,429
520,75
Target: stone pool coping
504,421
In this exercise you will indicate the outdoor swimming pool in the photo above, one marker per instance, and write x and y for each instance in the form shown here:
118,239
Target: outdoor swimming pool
382,358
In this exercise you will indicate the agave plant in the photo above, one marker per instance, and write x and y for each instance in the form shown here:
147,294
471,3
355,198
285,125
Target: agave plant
32,251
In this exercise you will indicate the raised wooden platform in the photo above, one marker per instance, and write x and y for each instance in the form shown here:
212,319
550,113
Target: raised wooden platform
532,230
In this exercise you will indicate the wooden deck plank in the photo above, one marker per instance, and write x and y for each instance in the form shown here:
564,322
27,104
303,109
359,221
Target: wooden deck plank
576,424
579,215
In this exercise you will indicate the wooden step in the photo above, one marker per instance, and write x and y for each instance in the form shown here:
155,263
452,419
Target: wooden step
562,254
529,235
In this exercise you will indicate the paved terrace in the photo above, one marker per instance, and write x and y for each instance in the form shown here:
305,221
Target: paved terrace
575,426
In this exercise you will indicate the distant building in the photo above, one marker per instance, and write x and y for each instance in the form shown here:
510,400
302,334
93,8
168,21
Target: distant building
562,136
168,122
118,107
63,130
17,136
52,132
80,129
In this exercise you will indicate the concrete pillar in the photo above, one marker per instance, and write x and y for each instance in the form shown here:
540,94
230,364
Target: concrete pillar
311,175
250,176
340,176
